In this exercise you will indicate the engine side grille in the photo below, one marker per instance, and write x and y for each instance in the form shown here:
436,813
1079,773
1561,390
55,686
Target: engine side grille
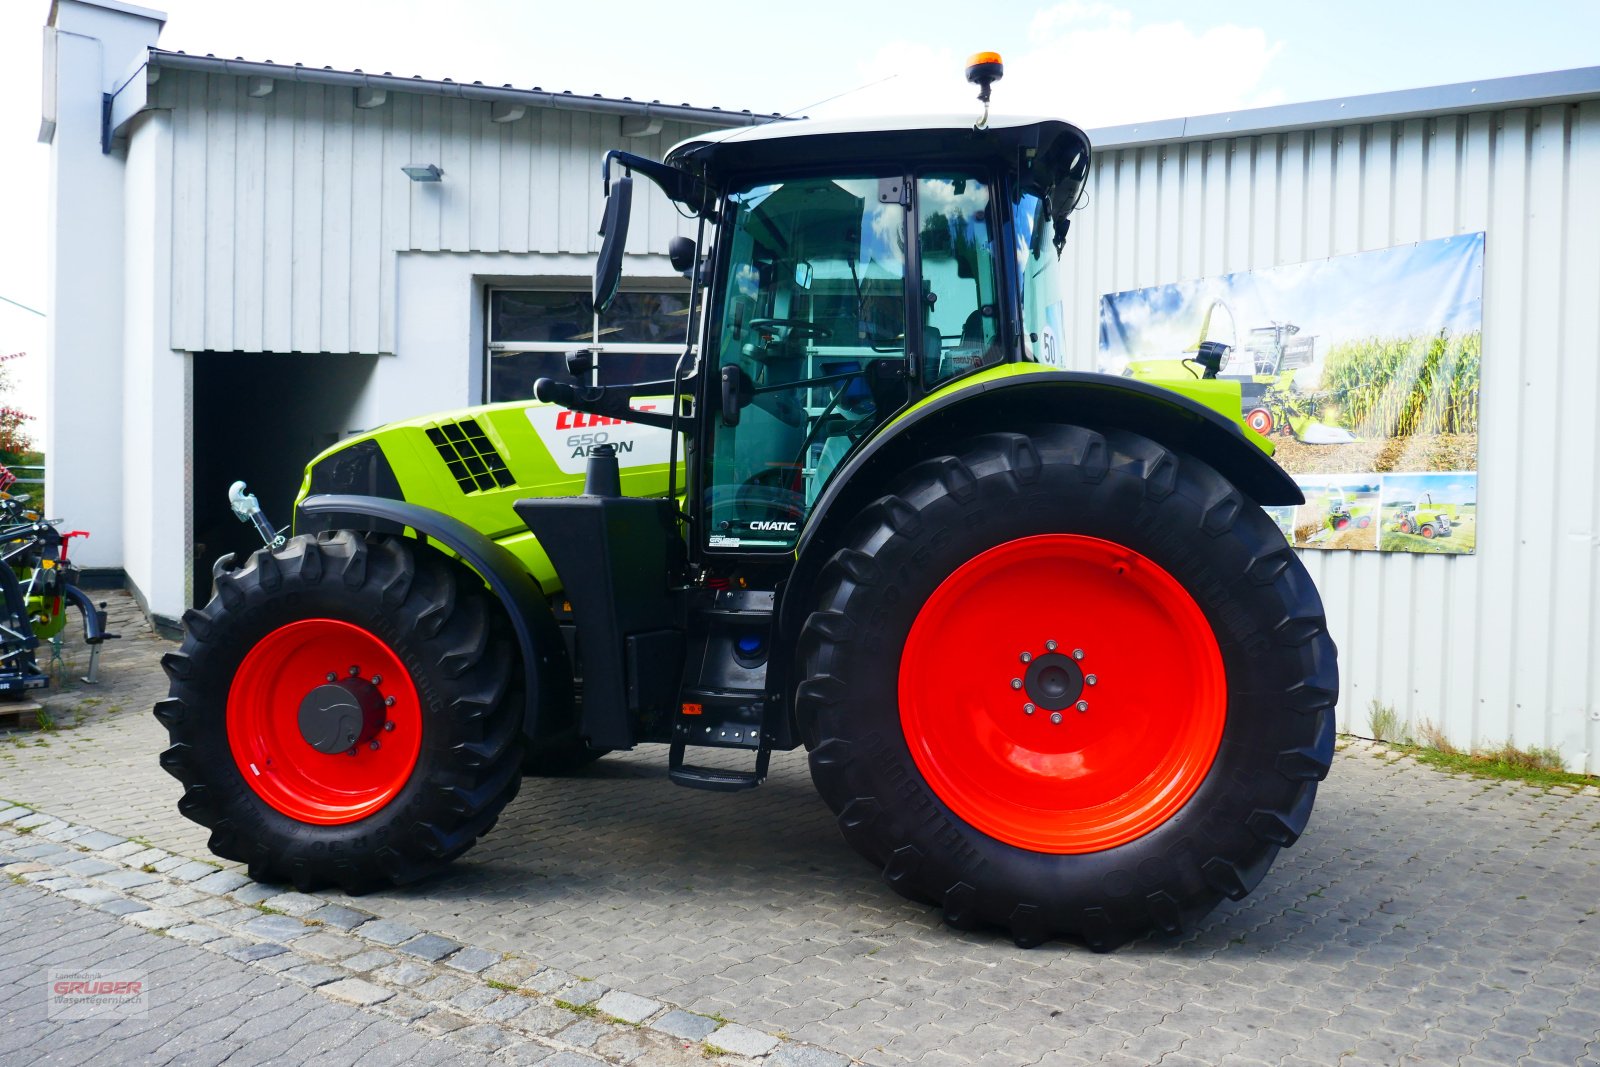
472,460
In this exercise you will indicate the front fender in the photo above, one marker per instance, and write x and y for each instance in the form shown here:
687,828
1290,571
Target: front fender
547,674
1099,401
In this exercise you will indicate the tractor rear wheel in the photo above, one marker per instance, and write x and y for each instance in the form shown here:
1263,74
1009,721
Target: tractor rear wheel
1068,683
344,712
1260,420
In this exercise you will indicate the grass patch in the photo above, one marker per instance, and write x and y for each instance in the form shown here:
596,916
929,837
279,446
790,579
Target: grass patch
495,983
267,909
1536,766
578,1009
1503,762
711,1051
45,721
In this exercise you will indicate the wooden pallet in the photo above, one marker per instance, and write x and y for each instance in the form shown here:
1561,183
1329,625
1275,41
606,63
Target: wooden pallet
16,714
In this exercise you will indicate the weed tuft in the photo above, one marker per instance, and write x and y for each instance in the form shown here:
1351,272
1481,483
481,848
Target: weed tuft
1384,722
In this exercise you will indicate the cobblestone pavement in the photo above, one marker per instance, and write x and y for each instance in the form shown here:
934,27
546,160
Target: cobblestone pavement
250,1016
1422,918
250,974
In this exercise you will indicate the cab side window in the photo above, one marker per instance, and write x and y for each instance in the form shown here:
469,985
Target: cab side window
961,316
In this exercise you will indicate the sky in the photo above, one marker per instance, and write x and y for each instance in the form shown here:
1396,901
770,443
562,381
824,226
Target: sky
1095,64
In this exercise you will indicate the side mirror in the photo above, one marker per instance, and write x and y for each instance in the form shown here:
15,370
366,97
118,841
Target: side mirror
580,363
680,252
614,228
736,393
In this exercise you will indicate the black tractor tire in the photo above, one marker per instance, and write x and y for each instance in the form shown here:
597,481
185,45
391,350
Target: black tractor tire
458,659
1278,661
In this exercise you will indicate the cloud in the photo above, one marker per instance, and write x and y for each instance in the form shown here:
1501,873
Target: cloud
1094,64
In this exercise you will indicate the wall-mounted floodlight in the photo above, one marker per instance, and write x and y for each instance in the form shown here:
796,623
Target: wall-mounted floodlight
423,172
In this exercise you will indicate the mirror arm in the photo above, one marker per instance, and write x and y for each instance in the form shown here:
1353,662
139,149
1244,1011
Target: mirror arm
679,186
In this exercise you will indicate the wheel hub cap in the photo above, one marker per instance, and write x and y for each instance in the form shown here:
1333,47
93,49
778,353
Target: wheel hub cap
1053,681
338,716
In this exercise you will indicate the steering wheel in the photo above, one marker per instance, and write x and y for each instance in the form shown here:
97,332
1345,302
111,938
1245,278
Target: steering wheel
797,327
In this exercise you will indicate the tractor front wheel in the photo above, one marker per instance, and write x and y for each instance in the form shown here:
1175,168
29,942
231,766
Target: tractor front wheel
1068,683
344,712
1260,420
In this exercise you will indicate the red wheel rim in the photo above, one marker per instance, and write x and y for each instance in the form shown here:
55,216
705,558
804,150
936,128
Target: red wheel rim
1427,532
1363,522
1341,523
1101,777
1259,420
279,764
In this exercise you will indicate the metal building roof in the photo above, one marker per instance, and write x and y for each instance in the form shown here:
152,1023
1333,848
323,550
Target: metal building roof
1493,94
161,59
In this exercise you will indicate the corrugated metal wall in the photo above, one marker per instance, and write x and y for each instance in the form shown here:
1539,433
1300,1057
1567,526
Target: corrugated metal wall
1504,644
288,208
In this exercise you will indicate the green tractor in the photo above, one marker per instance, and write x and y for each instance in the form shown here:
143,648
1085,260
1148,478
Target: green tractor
1342,514
1425,519
1265,369
1055,669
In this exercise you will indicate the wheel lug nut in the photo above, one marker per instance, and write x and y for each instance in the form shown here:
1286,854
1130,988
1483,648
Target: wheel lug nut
1083,705
1055,717
389,727
373,746
1027,709
1091,680
388,702
377,679
1077,653
1016,683
332,677
352,750
1027,657
355,672
1051,645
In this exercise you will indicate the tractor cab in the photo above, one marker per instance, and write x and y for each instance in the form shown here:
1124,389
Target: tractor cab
848,272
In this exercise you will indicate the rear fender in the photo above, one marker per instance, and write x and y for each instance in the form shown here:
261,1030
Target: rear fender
1097,401
547,672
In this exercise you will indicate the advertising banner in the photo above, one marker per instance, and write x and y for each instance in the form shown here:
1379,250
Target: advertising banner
1362,370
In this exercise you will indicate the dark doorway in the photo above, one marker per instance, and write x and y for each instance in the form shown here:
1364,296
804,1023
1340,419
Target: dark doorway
260,418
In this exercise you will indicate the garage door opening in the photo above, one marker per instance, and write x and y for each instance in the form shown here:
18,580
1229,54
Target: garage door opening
260,418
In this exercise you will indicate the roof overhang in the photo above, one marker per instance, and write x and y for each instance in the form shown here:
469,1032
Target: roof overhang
646,111
1494,94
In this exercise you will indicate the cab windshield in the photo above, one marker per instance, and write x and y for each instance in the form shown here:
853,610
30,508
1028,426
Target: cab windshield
814,318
